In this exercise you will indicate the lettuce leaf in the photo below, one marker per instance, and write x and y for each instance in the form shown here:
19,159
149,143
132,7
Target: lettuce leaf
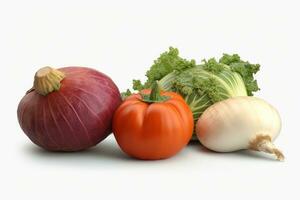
204,84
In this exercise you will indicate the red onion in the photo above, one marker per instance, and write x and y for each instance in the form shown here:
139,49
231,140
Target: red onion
68,109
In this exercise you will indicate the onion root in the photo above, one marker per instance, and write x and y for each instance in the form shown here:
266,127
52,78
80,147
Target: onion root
264,143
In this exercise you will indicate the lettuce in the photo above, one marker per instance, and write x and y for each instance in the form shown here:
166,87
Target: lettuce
201,85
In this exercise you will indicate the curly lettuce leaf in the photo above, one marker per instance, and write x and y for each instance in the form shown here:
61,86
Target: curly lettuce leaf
245,69
207,84
212,66
231,73
168,62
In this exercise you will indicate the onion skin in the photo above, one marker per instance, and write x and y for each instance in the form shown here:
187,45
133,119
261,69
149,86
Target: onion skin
76,117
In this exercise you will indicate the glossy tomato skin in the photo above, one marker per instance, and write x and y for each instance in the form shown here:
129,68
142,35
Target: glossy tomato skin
76,117
153,131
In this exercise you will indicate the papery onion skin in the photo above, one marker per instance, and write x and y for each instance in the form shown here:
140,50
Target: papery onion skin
76,117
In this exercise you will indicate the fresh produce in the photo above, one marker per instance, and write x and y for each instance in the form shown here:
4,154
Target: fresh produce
201,85
68,109
153,125
74,108
240,123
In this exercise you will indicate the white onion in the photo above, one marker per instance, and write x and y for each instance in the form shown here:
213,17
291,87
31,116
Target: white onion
240,123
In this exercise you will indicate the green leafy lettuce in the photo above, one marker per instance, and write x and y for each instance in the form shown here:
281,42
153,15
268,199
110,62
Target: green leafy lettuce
201,85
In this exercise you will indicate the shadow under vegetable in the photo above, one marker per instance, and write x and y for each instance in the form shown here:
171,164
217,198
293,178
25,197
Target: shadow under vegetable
242,154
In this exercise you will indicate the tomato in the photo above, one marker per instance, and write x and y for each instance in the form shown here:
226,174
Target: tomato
153,126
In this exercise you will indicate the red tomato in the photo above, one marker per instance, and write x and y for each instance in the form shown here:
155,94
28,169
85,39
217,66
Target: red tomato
153,130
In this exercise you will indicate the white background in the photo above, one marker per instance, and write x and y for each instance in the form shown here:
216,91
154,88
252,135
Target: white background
122,39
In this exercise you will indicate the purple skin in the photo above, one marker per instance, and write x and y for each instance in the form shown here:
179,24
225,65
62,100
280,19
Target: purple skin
76,117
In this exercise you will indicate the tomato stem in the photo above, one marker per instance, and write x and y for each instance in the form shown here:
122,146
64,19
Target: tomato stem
47,80
154,95
155,92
